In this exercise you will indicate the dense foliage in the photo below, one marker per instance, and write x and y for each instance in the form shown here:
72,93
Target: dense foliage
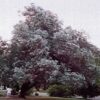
42,50
60,91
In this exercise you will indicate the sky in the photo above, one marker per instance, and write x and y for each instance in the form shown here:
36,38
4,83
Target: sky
82,15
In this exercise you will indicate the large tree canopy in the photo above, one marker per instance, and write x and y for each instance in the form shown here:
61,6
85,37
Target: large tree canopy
41,47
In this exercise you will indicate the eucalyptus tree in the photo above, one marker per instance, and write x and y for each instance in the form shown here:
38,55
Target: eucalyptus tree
41,47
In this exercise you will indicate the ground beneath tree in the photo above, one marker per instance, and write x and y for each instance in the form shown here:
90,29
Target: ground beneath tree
41,98
11,98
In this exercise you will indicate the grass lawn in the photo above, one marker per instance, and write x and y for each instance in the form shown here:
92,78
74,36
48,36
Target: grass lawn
51,98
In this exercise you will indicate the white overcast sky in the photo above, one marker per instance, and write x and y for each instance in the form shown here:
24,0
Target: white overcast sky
80,14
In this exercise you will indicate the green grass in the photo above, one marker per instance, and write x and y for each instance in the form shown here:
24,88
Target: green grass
51,98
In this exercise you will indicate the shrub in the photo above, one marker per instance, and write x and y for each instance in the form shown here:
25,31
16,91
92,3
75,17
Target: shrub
89,91
2,93
59,91
36,94
30,91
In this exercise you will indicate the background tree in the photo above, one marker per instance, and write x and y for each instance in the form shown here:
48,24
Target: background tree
4,68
